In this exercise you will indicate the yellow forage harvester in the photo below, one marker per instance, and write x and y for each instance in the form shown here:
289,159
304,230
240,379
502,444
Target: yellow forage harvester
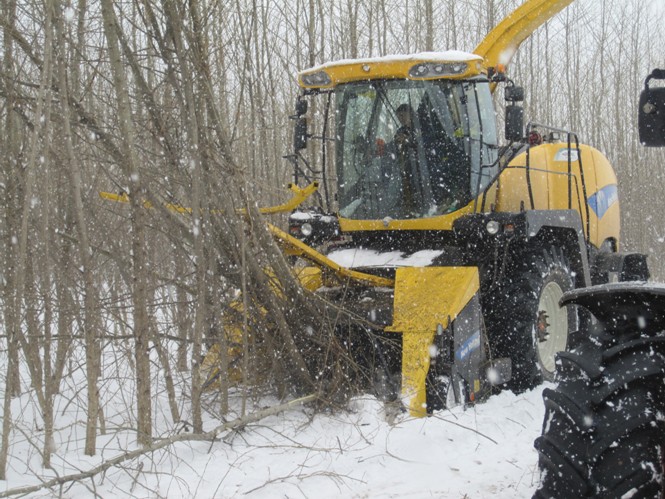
454,245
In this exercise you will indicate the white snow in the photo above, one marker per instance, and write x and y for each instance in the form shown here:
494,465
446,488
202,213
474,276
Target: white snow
359,257
507,55
300,215
482,451
69,14
306,216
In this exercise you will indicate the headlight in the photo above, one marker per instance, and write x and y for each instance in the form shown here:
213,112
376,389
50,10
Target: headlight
492,227
306,229
419,70
318,79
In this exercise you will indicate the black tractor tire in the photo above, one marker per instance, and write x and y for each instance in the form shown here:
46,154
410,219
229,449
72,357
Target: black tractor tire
526,304
603,431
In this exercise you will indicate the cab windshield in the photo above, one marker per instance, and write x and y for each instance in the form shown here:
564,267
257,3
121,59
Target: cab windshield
413,149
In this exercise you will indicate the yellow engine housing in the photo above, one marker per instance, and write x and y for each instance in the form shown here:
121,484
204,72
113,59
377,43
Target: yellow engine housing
549,185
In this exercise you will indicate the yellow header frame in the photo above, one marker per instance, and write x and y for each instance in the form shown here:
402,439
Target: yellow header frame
300,194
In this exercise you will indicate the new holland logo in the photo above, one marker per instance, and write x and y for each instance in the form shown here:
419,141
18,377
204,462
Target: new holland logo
472,343
567,155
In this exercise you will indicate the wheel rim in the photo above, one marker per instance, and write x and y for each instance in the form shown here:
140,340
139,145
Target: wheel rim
555,321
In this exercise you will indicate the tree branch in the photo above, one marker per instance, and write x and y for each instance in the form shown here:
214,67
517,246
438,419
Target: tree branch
161,444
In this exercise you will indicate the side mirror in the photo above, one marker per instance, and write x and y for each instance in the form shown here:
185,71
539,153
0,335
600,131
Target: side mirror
300,134
514,123
301,107
651,113
514,94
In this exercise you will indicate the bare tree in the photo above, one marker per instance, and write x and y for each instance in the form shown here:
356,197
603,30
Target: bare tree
139,262
11,145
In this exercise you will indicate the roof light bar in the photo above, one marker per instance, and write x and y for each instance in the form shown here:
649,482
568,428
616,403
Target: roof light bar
434,69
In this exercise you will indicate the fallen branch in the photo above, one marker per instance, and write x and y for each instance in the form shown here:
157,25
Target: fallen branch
210,435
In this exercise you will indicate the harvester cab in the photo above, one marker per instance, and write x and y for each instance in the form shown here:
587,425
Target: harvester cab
413,147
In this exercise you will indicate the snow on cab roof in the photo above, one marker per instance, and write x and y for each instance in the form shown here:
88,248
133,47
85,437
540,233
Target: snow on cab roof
445,56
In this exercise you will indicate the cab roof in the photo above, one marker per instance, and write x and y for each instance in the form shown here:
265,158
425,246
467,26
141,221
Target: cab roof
423,65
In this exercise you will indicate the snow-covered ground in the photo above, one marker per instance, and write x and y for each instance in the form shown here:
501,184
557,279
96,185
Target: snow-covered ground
477,452
484,451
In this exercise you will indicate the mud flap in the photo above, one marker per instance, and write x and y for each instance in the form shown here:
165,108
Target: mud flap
427,298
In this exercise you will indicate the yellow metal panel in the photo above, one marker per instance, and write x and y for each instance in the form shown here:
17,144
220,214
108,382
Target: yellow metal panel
441,222
424,298
513,190
604,171
578,187
427,296
310,277
549,183
558,193
609,225
415,365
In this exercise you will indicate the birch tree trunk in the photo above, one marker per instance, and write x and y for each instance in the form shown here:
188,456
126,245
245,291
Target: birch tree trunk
91,325
137,216
11,305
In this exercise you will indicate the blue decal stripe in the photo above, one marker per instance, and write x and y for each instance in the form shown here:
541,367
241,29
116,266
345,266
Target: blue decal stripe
602,199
